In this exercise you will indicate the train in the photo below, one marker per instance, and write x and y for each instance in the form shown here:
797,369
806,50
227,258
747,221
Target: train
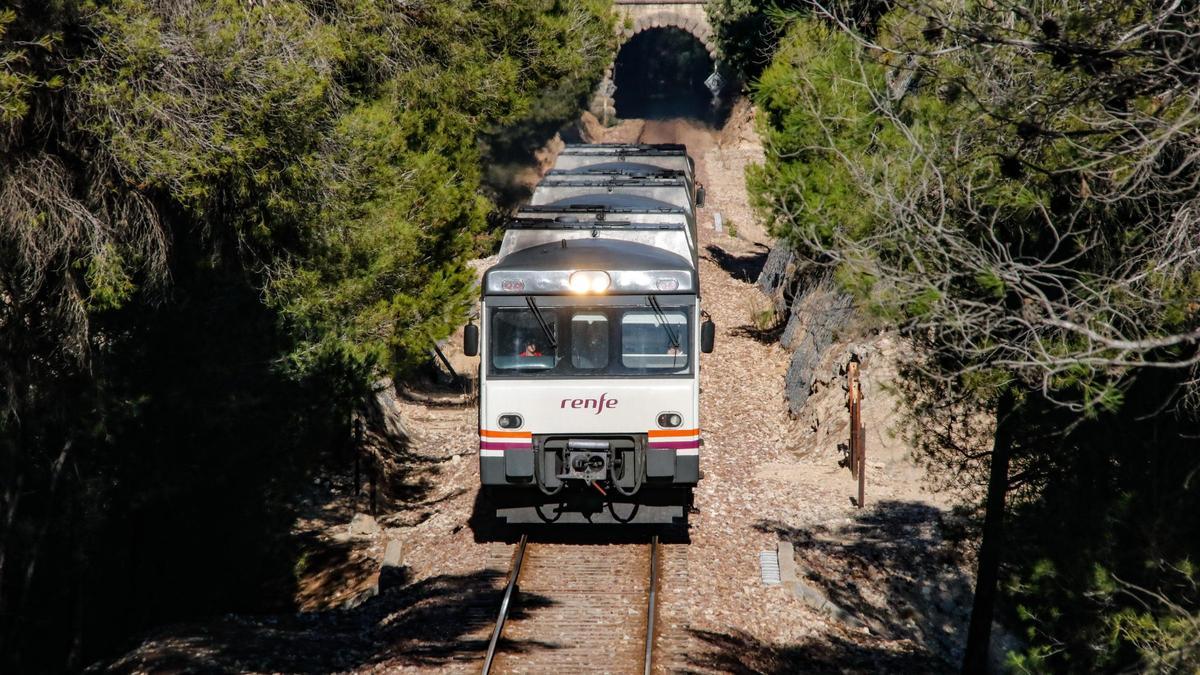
590,332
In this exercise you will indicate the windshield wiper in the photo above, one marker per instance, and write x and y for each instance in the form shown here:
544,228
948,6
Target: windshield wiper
662,318
537,314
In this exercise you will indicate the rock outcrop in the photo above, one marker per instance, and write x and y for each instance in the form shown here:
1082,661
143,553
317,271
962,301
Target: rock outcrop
816,312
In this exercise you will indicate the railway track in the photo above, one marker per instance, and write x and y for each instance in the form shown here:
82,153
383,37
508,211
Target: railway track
587,608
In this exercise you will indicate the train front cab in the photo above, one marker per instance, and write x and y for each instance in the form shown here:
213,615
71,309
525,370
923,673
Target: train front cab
589,383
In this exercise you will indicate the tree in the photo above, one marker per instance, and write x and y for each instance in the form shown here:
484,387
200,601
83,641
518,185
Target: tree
1013,187
220,222
749,32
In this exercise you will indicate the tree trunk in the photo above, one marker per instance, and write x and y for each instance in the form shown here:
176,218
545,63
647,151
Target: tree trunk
979,632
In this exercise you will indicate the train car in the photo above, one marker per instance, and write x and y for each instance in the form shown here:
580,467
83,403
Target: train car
672,157
664,222
608,206
626,170
590,334
674,190
528,233
613,207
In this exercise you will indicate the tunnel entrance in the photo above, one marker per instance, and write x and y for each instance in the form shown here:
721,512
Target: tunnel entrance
660,74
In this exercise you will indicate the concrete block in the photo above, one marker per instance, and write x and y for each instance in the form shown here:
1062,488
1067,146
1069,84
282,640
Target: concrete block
393,554
787,564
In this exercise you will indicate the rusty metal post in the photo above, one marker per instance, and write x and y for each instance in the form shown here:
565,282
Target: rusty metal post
852,406
858,445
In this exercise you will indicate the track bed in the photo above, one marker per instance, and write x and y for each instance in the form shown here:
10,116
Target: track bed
579,608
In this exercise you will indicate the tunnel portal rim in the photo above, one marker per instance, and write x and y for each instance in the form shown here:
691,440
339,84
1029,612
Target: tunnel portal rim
700,31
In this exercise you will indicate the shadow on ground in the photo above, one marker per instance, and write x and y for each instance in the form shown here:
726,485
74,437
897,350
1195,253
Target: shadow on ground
740,267
891,569
742,654
487,527
767,336
435,622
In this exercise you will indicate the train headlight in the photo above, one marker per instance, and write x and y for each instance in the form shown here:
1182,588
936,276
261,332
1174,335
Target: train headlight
511,421
669,420
590,281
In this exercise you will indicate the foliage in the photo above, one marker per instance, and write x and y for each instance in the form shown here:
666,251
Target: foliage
816,101
749,32
1013,187
17,83
220,221
885,172
1165,633
357,196
746,34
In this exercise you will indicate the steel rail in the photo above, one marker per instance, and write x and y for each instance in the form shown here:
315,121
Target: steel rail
504,604
650,606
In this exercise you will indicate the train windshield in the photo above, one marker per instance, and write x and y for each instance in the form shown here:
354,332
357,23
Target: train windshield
608,341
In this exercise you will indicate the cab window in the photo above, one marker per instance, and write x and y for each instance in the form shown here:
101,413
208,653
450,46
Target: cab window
518,341
654,342
589,341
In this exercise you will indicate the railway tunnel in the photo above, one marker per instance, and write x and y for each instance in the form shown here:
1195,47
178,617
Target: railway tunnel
660,73
666,56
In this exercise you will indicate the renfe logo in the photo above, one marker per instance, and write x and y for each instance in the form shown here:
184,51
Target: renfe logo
600,404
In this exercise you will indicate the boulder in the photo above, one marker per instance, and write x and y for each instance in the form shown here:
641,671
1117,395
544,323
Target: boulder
363,525
776,274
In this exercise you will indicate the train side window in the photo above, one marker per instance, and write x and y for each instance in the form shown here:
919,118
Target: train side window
589,341
518,341
647,343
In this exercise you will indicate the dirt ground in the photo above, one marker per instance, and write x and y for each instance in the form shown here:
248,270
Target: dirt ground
896,590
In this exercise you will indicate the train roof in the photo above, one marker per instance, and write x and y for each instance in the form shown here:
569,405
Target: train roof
673,190
592,254
615,180
611,202
671,229
616,171
675,239
619,167
546,268
627,210
624,149
587,190
628,160
595,212
570,223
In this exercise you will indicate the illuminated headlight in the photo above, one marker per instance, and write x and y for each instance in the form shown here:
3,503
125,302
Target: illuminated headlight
669,420
589,281
511,421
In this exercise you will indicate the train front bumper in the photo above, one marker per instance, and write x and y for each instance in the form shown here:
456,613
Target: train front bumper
657,466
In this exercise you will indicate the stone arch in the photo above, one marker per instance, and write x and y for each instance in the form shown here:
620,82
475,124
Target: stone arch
698,27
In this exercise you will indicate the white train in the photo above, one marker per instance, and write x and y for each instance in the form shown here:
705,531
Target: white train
590,336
